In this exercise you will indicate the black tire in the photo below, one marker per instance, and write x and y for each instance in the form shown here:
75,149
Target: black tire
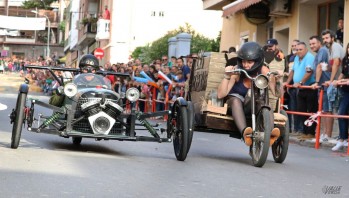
261,138
76,140
280,147
180,131
190,112
18,120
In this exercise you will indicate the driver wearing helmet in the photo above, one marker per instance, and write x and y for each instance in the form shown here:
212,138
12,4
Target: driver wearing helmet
234,87
88,64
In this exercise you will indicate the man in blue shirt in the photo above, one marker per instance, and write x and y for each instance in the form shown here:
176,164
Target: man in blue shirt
184,68
303,74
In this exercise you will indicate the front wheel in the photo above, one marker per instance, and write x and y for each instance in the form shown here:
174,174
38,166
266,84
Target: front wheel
180,131
19,116
261,138
280,147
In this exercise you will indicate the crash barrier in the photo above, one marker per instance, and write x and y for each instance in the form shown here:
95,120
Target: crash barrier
313,116
150,102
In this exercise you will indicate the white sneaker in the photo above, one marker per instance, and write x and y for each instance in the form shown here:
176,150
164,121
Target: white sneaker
323,138
346,143
338,146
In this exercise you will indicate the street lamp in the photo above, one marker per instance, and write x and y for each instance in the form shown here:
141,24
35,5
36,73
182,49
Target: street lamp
48,32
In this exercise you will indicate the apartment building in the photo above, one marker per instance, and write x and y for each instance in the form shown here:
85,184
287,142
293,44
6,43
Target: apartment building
285,20
31,44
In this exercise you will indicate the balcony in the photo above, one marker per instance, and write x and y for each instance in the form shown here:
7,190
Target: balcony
103,29
87,34
19,40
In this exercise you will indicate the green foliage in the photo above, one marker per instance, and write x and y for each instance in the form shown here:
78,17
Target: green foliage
40,4
159,47
61,26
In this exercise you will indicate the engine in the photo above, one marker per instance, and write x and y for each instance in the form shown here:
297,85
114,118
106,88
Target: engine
100,111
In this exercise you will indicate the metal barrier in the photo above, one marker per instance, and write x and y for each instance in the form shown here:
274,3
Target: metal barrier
153,101
319,113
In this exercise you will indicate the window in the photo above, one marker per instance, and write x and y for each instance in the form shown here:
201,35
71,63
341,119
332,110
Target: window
328,15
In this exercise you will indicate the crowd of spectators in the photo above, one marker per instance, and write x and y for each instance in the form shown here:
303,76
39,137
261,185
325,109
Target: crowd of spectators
326,67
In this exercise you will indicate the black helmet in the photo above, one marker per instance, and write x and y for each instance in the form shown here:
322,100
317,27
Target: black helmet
89,62
251,51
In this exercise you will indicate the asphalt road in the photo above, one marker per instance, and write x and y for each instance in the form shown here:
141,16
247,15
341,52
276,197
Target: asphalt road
216,166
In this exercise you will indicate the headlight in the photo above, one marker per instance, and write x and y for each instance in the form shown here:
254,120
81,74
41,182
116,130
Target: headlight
132,94
70,90
261,81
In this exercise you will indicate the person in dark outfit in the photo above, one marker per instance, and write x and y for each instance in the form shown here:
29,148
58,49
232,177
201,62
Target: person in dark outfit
235,86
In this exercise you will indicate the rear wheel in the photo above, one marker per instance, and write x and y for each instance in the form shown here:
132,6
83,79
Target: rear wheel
280,147
261,138
76,140
180,132
19,116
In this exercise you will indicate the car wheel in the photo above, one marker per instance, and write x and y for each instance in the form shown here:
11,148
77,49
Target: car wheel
280,147
180,131
261,139
18,120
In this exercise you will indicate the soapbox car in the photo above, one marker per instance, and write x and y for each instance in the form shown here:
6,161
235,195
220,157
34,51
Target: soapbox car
90,109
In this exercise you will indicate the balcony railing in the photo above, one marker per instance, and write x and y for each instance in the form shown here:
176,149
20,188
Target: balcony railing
103,29
19,39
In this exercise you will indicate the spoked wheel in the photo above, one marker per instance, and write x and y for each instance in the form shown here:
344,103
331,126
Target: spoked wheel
180,132
76,140
190,112
261,138
18,120
280,147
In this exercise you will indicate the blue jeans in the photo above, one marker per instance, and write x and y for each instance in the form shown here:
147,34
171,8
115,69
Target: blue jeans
297,124
343,110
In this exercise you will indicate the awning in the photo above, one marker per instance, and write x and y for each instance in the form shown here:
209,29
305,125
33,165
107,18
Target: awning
22,23
238,5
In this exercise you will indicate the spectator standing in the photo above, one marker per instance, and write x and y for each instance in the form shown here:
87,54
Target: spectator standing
106,13
329,73
290,58
291,103
302,74
321,57
164,61
184,68
339,32
275,60
344,103
173,61
2,66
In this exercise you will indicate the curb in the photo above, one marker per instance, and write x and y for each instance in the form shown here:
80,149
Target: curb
309,143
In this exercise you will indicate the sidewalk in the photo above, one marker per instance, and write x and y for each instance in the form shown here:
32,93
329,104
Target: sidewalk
311,143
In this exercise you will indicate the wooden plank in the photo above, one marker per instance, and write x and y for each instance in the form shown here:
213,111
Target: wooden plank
209,107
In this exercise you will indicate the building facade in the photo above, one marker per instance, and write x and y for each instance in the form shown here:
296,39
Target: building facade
31,44
284,20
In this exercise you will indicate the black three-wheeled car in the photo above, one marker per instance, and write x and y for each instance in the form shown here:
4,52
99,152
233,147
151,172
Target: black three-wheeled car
92,110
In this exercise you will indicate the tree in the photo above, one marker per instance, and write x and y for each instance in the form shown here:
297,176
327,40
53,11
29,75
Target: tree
159,47
40,4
